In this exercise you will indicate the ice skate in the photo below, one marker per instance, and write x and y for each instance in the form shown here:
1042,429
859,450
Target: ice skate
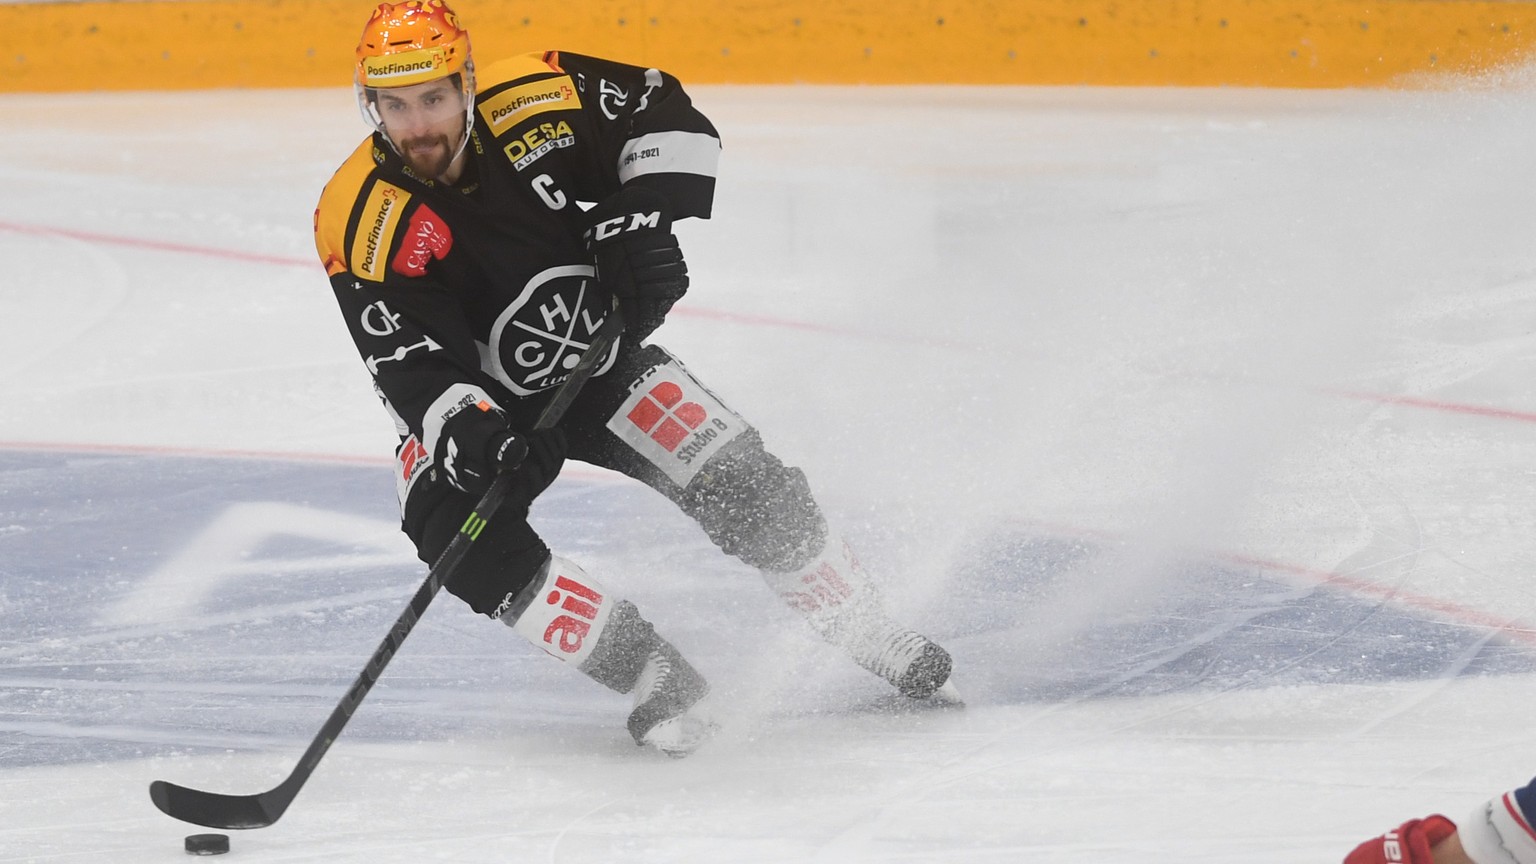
666,714
914,664
615,646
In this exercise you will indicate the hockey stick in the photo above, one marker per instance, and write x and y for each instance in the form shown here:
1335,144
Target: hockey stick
216,810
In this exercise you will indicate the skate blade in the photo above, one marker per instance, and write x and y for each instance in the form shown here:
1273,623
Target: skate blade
680,736
947,696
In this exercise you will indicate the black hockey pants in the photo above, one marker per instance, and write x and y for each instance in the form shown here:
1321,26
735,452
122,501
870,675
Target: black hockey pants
649,419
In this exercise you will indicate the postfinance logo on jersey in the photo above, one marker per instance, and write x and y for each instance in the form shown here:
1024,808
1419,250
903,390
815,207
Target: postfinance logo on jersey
376,228
516,104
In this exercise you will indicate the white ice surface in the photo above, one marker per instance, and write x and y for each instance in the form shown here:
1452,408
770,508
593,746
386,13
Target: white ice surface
1290,329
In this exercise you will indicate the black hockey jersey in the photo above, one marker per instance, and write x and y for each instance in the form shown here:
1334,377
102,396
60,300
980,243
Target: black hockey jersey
484,290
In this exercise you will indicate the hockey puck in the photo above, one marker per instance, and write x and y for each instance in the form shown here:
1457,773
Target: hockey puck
207,844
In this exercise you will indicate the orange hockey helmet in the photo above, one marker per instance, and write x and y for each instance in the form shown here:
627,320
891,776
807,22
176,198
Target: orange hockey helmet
409,43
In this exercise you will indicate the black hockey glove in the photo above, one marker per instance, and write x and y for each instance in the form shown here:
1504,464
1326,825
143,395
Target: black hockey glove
637,257
476,444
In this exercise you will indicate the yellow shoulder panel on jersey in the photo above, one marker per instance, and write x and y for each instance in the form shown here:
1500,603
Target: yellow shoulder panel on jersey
381,213
336,204
506,108
513,68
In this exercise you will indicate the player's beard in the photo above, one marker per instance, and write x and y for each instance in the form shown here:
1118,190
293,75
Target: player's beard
428,156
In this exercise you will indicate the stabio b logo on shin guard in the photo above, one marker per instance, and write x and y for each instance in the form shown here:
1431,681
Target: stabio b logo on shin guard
663,415
674,421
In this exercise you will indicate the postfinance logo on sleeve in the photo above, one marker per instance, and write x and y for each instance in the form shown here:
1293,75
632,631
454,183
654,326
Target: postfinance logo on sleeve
376,229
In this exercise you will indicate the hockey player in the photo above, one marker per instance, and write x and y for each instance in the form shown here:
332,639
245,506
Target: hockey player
474,243
1497,832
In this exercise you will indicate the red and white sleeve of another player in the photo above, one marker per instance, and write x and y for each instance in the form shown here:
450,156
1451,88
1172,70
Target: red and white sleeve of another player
1499,832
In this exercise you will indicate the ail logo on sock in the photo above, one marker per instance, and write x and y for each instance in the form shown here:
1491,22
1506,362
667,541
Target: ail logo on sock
666,417
568,632
821,588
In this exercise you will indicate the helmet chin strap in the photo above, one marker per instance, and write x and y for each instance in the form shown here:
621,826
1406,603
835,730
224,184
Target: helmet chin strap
463,142
467,87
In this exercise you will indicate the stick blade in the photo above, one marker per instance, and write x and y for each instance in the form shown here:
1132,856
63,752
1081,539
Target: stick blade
212,810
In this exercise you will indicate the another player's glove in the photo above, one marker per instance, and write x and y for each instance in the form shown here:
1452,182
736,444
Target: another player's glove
637,257
1409,843
476,444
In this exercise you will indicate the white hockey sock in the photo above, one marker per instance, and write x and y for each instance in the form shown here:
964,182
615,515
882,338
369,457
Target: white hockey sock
564,611
574,618
833,593
840,602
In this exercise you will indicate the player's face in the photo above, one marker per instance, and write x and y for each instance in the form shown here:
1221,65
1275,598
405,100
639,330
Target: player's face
426,122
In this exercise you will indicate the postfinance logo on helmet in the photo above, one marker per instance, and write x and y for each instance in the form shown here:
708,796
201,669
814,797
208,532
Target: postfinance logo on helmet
382,69
410,43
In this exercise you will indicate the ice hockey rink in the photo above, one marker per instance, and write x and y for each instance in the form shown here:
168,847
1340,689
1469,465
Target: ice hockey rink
1200,425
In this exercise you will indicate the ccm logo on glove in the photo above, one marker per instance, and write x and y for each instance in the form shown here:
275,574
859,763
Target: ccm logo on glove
636,257
613,227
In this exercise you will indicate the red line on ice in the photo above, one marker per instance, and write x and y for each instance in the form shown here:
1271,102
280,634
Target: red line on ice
688,311
314,263
158,245
1515,630
216,453
1437,405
